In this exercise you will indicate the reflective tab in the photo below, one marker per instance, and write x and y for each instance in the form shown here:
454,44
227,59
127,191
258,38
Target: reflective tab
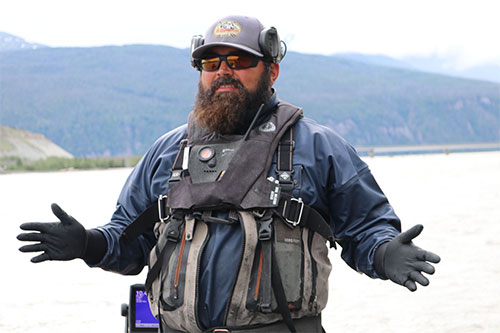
185,158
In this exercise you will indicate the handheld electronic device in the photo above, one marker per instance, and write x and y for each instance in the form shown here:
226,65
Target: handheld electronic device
138,314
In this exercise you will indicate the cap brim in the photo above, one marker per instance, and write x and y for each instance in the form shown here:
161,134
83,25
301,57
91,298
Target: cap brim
198,52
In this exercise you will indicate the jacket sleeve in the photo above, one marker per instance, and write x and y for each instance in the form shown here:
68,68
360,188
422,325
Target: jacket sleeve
146,182
360,214
340,185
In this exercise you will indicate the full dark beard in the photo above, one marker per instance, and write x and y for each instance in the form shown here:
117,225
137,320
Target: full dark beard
230,113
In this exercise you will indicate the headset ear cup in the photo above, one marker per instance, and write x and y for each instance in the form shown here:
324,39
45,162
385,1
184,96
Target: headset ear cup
270,44
196,42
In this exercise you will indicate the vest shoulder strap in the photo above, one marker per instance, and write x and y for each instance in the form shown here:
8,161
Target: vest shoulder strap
284,167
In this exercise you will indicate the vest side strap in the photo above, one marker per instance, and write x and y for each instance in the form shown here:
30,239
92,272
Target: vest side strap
145,221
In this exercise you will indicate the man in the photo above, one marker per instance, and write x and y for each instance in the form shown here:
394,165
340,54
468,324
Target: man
254,192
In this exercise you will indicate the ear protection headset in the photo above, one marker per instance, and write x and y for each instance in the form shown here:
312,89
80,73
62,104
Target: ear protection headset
270,45
196,42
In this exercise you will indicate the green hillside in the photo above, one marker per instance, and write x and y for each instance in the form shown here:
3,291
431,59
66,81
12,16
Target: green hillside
109,101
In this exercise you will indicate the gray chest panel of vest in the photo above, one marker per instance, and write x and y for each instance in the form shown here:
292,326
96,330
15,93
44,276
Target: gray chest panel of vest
208,162
233,175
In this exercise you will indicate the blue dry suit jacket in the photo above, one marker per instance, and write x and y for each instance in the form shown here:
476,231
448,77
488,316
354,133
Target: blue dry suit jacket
330,177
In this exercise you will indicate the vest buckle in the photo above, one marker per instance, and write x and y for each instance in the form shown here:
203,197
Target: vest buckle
174,229
174,178
265,230
285,176
292,211
285,179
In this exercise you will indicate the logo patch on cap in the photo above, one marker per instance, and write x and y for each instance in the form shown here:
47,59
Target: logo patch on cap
227,28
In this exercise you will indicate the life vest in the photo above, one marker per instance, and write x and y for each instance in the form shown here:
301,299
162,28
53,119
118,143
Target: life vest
284,265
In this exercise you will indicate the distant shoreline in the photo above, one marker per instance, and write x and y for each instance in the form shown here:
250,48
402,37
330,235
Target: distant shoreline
427,149
11,165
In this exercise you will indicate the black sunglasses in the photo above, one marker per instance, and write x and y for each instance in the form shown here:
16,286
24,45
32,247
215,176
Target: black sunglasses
234,61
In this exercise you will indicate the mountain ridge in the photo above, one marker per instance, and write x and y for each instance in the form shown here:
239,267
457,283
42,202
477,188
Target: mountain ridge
431,64
116,100
10,42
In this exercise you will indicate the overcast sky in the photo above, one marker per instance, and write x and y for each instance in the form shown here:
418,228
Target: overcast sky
467,30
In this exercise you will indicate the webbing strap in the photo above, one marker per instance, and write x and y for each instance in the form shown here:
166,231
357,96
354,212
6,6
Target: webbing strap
145,221
296,213
279,293
285,149
177,165
266,283
265,234
284,167
173,234
156,268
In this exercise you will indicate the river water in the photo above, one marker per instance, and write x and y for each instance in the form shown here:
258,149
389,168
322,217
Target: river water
456,197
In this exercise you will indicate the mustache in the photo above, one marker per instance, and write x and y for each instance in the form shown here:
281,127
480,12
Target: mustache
225,80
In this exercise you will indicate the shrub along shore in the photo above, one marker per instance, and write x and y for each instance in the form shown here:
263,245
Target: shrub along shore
10,164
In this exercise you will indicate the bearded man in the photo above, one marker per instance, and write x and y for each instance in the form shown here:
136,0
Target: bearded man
246,197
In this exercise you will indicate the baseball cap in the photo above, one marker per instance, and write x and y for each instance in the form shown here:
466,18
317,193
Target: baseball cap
240,32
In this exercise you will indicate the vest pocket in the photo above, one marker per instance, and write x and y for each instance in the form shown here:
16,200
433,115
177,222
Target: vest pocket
173,282
288,250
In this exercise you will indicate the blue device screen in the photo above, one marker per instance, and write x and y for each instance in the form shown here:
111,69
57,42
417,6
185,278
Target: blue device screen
143,316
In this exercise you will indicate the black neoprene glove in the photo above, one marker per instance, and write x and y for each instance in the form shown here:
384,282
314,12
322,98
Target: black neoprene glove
404,262
65,240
